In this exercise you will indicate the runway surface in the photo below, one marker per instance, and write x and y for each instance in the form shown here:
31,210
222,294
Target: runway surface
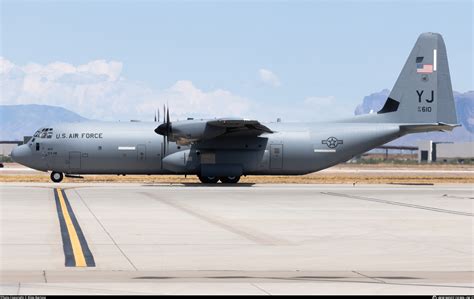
244,239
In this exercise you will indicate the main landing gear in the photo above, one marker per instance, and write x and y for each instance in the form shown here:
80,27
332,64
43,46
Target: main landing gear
56,176
214,179
230,179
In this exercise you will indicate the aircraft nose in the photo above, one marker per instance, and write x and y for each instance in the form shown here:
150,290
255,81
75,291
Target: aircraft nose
21,154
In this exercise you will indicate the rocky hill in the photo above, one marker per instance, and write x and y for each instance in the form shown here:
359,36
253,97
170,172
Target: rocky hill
17,121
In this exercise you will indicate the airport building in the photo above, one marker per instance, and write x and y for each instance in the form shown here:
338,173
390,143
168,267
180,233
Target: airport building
6,147
430,151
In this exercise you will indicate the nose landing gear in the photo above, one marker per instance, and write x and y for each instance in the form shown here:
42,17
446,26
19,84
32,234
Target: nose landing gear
56,176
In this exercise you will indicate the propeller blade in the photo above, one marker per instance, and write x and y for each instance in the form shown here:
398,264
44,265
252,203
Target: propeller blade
163,130
164,113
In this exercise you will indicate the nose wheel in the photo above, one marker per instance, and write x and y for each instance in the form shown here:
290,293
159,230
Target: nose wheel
56,176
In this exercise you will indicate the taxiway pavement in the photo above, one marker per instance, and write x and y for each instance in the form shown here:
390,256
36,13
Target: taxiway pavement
243,239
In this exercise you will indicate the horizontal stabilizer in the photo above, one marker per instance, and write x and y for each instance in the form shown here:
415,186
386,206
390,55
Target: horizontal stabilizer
415,128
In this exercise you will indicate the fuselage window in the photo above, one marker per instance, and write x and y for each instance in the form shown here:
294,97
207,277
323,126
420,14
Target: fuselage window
37,146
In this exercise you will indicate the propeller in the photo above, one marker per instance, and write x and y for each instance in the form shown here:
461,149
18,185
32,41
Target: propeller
165,128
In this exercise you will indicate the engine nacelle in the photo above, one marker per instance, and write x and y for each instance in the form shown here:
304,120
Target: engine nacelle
186,132
179,162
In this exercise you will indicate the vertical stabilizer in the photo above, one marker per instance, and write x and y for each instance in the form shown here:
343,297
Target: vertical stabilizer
423,92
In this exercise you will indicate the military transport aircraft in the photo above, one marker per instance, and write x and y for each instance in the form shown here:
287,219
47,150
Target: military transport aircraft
225,149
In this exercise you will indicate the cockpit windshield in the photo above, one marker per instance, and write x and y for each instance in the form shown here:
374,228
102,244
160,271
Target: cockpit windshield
44,133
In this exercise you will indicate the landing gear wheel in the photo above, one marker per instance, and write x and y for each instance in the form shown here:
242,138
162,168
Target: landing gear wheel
229,179
56,176
208,179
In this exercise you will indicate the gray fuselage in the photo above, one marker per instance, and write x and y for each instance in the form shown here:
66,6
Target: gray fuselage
134,148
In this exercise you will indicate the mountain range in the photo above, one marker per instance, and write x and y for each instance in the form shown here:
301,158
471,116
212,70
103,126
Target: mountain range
17,121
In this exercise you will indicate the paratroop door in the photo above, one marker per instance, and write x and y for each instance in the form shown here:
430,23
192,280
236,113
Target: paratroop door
276,156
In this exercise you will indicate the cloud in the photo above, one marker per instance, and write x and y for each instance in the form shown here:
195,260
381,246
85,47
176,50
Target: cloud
268,78
185,99
99,90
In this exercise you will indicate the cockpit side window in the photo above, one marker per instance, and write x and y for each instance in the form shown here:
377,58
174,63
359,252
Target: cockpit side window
37,133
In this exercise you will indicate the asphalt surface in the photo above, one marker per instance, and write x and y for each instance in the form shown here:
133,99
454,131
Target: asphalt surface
246,239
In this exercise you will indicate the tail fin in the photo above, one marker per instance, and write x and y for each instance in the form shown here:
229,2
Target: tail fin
423,92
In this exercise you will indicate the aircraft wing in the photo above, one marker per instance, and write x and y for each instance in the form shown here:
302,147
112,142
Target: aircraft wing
249,127
186,132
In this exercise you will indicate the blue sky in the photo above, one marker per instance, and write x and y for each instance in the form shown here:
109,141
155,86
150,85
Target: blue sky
267,59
